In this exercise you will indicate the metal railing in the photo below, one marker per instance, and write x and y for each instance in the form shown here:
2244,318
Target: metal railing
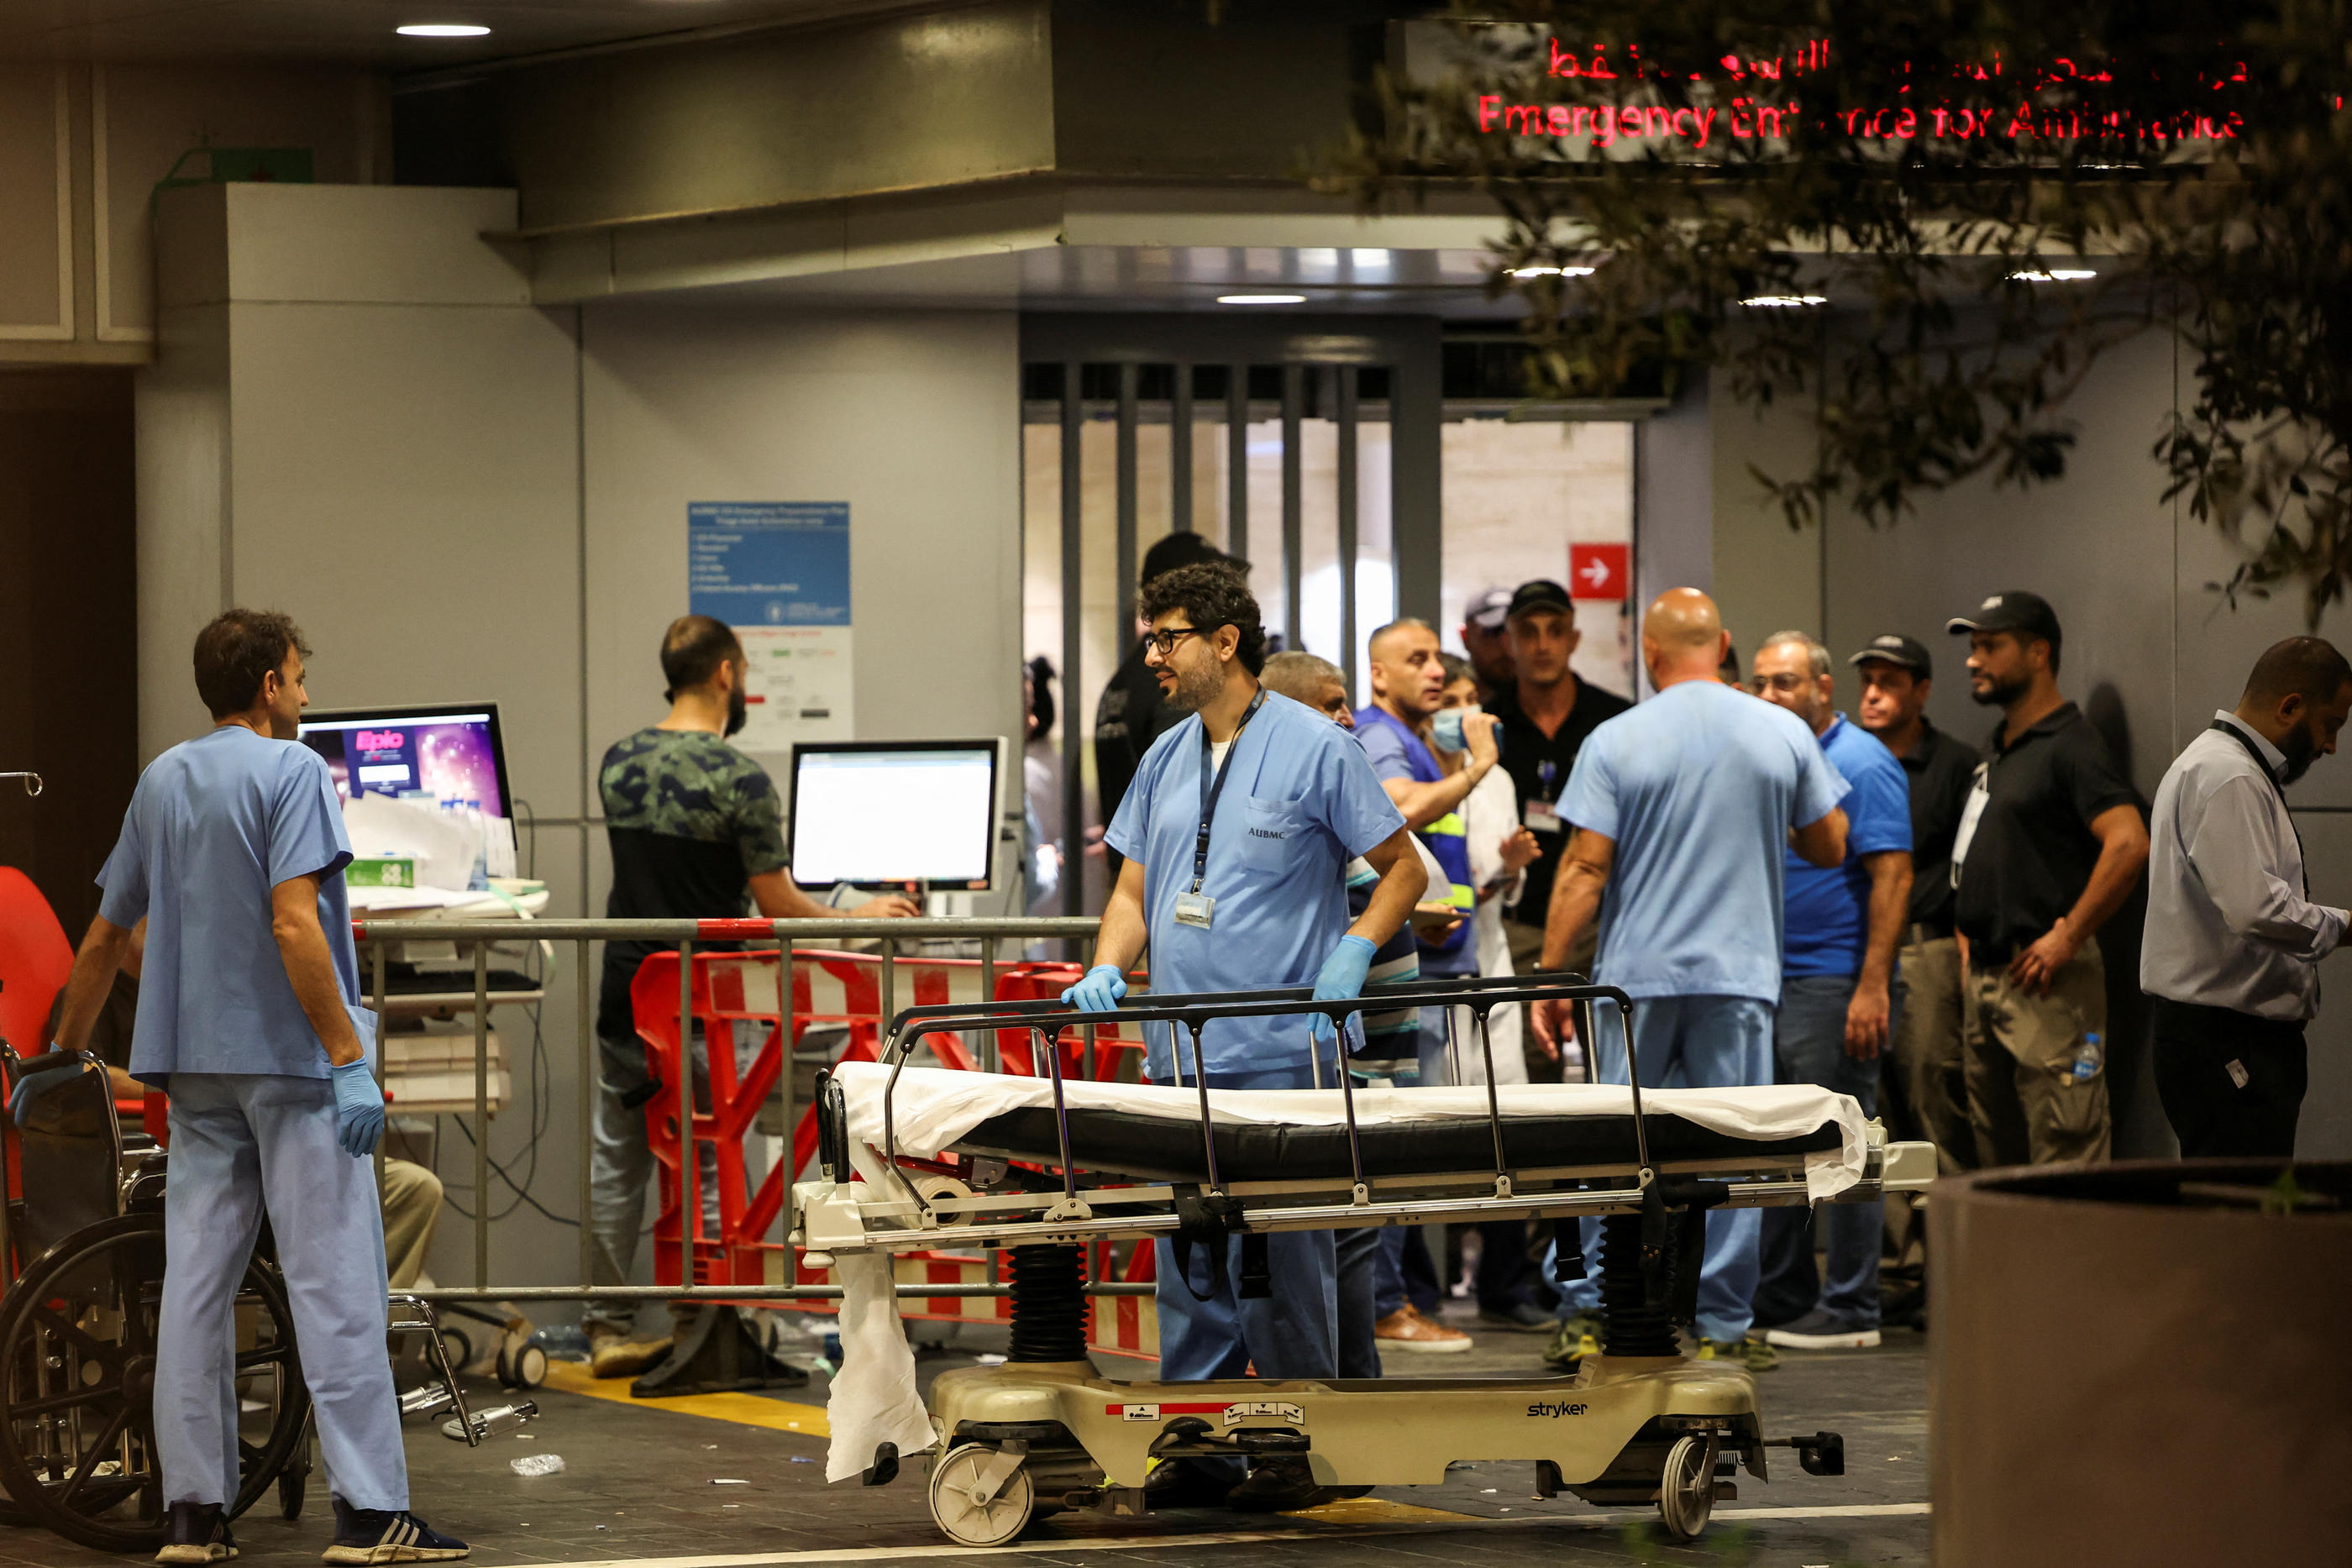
891,940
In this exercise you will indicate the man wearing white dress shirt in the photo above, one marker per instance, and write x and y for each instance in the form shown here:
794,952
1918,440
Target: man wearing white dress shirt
2233,941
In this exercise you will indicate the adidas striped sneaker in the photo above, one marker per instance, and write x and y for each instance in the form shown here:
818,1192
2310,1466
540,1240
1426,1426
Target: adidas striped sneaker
383,1535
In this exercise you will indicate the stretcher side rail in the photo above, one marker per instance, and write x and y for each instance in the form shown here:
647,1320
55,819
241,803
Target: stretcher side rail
1192,1013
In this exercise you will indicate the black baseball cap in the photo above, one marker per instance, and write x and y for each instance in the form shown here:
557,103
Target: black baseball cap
2015,611
1893,648
1542,593
1488,611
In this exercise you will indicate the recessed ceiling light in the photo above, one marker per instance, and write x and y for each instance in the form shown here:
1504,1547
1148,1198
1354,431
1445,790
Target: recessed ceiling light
1551,272
2055,274
1261,300
442,30
1784,301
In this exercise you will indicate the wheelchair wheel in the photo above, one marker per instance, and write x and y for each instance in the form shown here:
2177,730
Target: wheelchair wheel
78,1337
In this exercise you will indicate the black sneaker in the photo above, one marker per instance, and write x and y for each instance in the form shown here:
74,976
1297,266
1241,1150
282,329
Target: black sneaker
1823,1329
1178,1483
198,1535
388,1535
1277,1486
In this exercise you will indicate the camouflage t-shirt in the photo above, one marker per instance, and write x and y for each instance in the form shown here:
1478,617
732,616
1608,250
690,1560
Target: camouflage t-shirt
691,821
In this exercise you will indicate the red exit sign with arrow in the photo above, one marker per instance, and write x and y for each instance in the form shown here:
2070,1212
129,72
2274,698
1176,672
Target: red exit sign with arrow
1598,572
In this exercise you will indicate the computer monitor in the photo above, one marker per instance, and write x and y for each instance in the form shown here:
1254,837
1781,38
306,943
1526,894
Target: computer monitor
876,813
451,751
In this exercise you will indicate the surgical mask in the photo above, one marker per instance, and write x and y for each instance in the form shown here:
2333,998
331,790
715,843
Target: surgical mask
1445,729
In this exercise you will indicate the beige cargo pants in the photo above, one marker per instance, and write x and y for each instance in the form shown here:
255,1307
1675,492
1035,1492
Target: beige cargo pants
2036,1067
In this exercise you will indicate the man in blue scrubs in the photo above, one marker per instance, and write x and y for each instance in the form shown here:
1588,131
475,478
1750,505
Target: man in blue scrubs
1237,831
249,1017
1681,807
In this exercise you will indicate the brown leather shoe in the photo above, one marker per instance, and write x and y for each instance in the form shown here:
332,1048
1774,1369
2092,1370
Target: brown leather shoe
1406,1329
612,1354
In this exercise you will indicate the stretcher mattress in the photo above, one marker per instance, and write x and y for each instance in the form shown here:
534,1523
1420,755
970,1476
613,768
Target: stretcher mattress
1153,1133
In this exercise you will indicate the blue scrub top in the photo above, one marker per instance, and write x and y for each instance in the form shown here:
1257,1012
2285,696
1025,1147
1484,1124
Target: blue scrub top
1299,802
1829,911
1699,786
215,824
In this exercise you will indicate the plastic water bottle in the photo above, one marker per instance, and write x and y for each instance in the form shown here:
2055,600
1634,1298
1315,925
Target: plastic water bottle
537,1464
2088,1057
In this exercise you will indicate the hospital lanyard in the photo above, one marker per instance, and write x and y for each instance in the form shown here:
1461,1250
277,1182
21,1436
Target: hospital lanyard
2234,733
1209,792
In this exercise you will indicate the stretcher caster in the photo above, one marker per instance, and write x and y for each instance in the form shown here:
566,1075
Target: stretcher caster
1686,1490
981,1496
522,1366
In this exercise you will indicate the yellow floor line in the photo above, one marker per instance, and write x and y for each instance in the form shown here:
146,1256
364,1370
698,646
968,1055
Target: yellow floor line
743,1409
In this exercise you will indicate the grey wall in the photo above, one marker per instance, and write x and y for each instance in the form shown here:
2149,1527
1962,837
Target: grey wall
2149,652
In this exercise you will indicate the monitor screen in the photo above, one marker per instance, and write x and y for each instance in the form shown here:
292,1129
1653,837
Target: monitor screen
451,753
873,812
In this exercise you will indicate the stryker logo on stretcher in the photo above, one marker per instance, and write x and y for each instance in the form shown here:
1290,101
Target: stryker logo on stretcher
1554,1411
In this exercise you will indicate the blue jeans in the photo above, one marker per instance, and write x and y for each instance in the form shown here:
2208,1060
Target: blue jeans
1808,1047
1690,1042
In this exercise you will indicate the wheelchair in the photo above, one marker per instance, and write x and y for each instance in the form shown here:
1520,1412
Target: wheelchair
81,1246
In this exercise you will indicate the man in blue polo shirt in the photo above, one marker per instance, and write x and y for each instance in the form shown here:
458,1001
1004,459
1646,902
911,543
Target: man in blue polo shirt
1683,809
1237,831
1841,1000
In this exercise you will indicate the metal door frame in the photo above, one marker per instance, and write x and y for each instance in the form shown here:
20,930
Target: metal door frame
1334,350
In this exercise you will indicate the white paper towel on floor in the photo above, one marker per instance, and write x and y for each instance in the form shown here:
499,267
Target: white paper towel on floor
873,1399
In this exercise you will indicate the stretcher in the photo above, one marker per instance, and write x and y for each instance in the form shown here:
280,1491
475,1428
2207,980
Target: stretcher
913,1157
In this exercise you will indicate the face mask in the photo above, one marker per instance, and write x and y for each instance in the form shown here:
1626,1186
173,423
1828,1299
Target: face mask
1445,729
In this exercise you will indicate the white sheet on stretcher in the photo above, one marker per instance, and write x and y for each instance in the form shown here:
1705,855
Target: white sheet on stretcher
935,1106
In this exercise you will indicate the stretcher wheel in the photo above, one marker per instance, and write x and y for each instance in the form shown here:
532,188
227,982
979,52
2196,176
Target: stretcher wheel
958,1475
1687,1491
76,1385
523,1367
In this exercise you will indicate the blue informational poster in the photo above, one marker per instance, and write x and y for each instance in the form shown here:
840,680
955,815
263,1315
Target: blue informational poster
778,572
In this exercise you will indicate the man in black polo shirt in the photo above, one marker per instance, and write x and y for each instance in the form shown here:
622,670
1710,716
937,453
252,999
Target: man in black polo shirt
1545,714
1923,1086
2050,845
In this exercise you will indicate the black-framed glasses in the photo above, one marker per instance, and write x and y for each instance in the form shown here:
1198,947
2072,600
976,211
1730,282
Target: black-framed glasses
1165,640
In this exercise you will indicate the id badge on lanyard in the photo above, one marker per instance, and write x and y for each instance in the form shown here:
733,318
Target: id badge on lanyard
1195,908
1979,791
1543,814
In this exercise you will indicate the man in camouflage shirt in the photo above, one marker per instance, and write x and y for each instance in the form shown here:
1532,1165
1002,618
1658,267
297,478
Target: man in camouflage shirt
697,833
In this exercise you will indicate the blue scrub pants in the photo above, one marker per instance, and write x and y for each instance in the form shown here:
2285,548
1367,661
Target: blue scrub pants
1808,1047
1690,1042
1293,1332
241,1143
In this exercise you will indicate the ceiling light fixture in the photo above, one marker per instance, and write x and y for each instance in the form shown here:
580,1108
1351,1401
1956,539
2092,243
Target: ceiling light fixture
1261,300
1784,301
442,30
1551,272
2054,274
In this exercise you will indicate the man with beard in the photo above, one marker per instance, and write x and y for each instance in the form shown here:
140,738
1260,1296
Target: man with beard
2233,947
696,832
1237,831
2050,845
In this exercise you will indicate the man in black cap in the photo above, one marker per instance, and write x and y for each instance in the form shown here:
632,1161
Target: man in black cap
1545,714
1487,643
1130,715
1922,1083
2051,843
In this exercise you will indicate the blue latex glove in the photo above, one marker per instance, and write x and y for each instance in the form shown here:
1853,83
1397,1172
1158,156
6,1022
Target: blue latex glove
1341,978
31,1086
359,1109
19,1097
1099,992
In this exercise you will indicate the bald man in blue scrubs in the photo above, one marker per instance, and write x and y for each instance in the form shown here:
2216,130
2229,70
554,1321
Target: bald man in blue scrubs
1237,831
249,1018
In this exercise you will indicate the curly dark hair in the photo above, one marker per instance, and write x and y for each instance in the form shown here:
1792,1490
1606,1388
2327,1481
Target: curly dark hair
235,650
1212,594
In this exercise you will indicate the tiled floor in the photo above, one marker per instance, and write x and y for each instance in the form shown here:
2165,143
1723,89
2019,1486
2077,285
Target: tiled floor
638,1488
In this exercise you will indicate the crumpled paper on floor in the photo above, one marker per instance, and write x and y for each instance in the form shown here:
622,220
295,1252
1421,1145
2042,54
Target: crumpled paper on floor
873,1399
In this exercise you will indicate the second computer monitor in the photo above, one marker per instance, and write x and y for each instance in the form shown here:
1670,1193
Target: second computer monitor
878,813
